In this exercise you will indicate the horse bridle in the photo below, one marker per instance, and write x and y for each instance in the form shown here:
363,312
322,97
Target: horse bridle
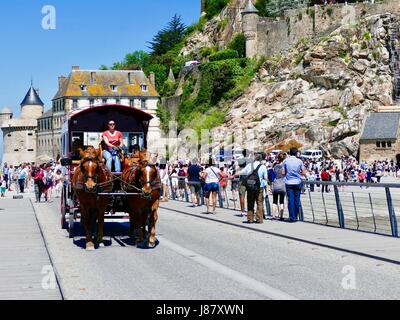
151,183
87,177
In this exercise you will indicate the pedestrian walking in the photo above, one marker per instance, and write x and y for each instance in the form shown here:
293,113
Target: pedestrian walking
38,177
293,170
3,186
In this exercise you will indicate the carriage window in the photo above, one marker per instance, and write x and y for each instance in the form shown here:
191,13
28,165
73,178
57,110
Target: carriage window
91,102
118,101
104,101
74,104
132,103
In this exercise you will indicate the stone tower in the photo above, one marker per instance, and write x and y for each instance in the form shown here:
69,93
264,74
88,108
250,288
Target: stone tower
32,107
5,114
250,20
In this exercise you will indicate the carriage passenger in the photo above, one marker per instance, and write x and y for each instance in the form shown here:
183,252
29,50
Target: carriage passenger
113,141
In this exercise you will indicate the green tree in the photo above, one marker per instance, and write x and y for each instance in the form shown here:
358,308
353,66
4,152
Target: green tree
214,7
238,44
169,37
276,8
137,58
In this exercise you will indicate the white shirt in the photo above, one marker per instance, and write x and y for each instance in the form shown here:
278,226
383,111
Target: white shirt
212,175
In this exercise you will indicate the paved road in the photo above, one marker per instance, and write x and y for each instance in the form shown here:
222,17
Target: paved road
203,257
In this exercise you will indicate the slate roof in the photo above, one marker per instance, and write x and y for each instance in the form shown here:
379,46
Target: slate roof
250,8
382,125
48,114
32,99
98,84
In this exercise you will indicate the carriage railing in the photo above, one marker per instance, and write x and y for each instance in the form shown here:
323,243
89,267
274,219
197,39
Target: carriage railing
355,206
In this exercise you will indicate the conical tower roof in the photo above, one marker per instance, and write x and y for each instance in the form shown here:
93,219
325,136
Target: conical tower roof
250,8
32,99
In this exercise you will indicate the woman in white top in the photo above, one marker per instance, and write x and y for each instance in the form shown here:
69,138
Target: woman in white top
212,176
164,181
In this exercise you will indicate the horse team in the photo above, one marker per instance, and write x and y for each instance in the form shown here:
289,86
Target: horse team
94,183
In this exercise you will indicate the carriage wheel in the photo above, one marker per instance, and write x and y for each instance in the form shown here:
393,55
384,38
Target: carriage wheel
71,225
64,211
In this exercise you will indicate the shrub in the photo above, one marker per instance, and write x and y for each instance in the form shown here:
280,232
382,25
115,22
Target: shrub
222,24
329,11
238,44
367,36
299,58
224,55
364,45
342,53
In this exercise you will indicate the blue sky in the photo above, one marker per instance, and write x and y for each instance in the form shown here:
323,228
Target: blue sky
88,33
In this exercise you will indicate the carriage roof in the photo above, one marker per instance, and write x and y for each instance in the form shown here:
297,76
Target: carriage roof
95,119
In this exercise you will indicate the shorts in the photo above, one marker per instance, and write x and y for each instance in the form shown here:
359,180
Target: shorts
3,189
279,196
195,187
242,189
211,187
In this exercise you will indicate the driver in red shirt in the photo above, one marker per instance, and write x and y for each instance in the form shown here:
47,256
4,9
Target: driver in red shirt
113,141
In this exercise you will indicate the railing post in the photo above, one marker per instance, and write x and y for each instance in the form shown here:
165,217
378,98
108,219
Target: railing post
185,190
220,202
339,208
392,213
172,188
267,204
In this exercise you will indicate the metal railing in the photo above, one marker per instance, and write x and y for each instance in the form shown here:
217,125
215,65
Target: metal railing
367,207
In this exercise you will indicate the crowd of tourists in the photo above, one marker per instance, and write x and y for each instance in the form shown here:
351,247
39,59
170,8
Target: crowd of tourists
282,176
44,180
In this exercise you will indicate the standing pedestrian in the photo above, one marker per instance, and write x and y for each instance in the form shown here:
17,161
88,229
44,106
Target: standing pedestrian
293,170
256,179
278,189
6,175
212,177
38,177
194,182
23,173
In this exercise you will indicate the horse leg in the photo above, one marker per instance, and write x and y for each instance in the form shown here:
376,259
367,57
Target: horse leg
153,221
88,229
132,227
139,224
100,226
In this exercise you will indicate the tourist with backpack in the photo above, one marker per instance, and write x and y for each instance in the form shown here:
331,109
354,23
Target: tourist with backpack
293,170
278,189
255,182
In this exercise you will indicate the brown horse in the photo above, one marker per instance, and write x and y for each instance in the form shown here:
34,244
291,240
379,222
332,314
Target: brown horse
143,207
90,178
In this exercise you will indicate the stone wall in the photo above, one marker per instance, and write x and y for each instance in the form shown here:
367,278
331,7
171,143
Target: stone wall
369,152
278,36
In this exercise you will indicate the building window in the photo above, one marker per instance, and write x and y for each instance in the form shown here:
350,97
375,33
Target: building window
383,144
389,144
143,87
83,87
143,104
30,134
91,102
378,144
114,88
9,135
104,101
16,150
31,150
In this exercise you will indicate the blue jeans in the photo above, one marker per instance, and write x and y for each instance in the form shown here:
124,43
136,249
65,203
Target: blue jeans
109,159
294,193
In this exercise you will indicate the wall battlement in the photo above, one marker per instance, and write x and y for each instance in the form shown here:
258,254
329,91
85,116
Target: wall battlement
277,36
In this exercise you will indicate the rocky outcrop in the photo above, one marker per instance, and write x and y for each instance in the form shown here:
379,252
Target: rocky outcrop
320,94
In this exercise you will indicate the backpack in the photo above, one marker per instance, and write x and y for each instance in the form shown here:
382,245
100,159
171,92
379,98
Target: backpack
252,182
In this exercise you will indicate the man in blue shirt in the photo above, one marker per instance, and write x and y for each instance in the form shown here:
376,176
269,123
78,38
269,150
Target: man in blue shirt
256,196
194,182
293,170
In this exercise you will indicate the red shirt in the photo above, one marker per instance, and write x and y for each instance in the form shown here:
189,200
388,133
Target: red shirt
114,140
325,176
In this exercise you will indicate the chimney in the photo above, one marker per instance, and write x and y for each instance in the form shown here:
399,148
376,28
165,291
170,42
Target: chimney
60,81
92,74
76,68
152,79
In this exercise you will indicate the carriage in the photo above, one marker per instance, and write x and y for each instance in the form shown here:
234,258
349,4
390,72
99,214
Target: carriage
84,128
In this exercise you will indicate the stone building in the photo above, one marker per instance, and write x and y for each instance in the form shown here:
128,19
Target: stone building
19,135
87,88
380,139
